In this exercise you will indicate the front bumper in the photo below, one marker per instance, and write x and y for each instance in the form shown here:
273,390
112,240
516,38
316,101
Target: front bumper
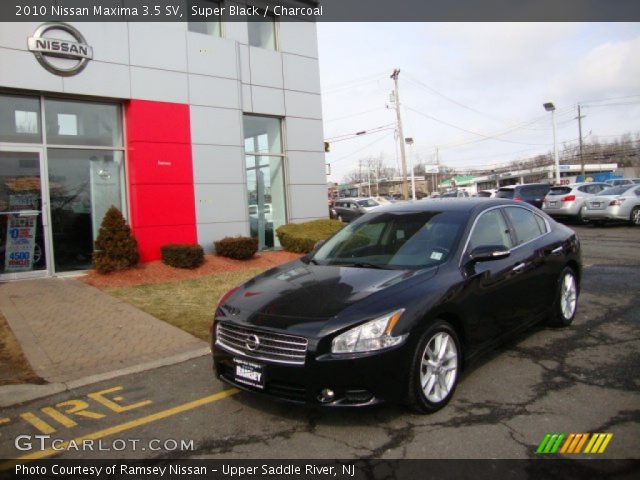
356,380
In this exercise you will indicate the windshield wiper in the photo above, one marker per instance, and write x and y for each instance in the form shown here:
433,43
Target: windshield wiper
363,265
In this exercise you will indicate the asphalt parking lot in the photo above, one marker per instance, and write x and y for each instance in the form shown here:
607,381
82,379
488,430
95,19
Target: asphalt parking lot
582,379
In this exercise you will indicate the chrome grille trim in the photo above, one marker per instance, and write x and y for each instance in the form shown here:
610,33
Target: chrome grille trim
273,347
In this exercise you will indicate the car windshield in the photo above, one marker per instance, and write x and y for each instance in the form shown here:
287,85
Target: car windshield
369,202
394,240
615,190
505,193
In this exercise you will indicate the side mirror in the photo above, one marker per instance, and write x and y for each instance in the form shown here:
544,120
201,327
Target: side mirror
486,253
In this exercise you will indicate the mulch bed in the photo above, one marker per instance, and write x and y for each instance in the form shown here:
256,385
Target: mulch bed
158,272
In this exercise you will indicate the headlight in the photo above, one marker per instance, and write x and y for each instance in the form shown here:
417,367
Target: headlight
370,336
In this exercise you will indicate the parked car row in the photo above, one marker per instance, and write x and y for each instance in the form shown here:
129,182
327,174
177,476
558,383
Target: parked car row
596,202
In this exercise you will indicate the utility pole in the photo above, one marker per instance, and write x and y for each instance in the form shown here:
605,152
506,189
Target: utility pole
437,168
396,97
579,118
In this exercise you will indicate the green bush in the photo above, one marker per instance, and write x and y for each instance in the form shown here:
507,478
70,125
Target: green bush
240,248
182,255
115,248
302,237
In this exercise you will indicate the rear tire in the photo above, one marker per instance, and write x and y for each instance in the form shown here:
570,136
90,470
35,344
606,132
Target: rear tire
580,217
634,218
566,302
435,368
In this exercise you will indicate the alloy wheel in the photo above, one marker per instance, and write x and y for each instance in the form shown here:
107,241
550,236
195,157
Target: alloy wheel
439,367
568,296
635,216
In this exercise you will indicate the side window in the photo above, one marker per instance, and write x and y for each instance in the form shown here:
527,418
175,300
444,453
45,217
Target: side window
524,223
541,223
490,229
586,188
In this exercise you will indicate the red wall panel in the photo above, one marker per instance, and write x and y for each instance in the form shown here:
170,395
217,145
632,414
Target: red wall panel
160,175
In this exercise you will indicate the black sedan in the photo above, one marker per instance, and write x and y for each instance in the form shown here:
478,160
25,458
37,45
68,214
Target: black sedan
394,305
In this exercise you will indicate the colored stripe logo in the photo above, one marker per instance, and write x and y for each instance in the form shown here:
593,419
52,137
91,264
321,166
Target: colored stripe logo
574,443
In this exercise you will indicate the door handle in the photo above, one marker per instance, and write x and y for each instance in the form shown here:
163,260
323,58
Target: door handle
555,251
519,267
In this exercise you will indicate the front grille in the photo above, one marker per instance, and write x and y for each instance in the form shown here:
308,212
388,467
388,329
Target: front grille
274,347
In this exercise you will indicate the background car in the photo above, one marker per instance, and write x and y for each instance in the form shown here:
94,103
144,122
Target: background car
455,194
618,182
615,204
348,209
491,193
394,305
531,193
568,201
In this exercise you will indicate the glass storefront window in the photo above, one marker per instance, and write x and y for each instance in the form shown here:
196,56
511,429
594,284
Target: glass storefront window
264,165
83,123
20,119
22,246
83,184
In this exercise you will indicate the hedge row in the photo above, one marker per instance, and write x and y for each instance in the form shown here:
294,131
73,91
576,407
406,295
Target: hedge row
302,237
182,255
240,248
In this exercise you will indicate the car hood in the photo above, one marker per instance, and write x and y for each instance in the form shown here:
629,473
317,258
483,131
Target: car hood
298,292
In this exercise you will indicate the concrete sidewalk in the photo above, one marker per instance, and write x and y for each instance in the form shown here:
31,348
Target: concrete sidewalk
73,334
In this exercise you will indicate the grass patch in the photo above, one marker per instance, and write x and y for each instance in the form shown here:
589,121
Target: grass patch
186,304
14,368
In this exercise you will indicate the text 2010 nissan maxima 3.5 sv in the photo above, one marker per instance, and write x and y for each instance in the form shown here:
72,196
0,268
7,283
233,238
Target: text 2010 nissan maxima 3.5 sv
393,305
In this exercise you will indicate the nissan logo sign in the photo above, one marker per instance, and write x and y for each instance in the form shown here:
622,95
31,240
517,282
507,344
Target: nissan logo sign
252,342
44,47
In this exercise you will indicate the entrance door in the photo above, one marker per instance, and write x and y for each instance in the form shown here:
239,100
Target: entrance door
23,214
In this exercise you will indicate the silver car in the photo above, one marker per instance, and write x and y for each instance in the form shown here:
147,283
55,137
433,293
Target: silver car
568,201
615,204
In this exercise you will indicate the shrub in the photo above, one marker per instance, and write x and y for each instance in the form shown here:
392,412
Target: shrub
240,248
182,255
115,248
302,237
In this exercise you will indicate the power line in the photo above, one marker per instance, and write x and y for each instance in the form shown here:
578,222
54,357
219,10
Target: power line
360,149
485,137
354,114
368,131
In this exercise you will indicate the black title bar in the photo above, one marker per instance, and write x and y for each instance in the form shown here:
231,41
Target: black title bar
321,10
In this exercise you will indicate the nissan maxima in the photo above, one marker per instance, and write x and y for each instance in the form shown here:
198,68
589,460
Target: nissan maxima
393,306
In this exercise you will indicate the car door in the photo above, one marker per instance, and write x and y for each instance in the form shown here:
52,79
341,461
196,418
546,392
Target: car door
486,303
530,290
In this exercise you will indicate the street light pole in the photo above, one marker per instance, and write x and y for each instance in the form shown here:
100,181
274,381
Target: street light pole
550,107
409,141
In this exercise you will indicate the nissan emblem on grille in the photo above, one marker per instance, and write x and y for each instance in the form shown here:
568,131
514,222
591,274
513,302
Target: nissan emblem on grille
253,342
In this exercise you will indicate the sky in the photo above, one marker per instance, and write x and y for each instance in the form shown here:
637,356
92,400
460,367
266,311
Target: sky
460,83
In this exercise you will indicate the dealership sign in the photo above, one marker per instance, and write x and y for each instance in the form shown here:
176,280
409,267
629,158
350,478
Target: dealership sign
47,47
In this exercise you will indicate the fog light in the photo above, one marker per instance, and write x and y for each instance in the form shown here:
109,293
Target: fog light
327,395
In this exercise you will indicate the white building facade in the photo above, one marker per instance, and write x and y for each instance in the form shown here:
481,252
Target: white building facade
195,131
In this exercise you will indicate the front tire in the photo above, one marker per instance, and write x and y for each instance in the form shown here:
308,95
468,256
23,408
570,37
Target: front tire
435,368
580,217
566,302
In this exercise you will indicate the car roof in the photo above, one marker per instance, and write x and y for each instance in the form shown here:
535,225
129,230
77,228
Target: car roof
464,204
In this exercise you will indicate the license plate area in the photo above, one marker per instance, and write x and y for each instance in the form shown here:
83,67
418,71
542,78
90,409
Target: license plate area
553,204
249,373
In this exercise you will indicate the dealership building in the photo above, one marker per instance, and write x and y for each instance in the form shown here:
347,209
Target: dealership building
195,131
